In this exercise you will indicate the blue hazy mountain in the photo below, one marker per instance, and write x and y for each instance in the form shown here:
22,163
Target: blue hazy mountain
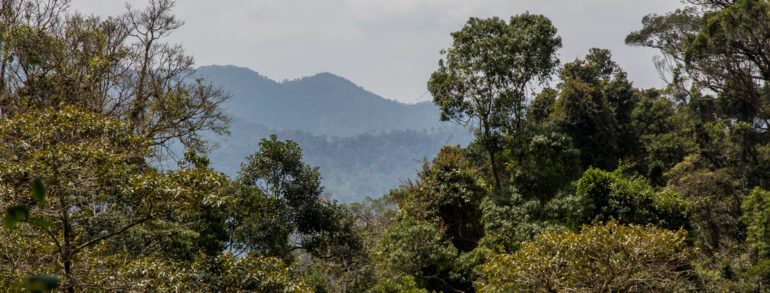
323,104
364,144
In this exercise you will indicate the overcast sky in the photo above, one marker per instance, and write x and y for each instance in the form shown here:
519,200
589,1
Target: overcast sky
389,47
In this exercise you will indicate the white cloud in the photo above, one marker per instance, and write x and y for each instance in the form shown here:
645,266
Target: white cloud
389,47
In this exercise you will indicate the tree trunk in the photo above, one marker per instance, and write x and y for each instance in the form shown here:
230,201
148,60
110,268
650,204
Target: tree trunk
67,252
495,171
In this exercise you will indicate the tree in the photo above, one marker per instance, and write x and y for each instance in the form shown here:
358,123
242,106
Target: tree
223,273
716,199
606,196
545,165
594,107
99,188
730,54
415,250
449,196
716,53
601,258
119,67
756,208
433,239
662,128
486,74
282,209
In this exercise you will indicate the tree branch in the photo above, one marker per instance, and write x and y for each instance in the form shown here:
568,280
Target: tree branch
116,232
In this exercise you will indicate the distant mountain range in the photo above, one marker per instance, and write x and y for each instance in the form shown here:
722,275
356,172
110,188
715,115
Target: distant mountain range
322,104
364,144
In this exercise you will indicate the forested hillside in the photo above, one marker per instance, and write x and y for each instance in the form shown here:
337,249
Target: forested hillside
363,144
575,181
352,168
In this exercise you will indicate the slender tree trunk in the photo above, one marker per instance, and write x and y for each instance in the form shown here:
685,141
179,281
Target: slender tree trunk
66,250
495,171
69,285
492,159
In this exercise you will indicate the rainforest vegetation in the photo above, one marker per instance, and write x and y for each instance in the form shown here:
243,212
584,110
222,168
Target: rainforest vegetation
576,181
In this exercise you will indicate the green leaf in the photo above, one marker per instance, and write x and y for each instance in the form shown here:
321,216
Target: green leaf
39,222
14,214
38,192
40,283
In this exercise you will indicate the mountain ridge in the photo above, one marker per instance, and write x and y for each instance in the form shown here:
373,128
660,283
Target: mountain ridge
324,103
363,144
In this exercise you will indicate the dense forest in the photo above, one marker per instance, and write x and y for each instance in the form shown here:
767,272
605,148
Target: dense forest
576,181
352,168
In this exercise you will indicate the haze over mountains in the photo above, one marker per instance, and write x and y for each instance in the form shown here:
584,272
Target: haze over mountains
323,104
364,144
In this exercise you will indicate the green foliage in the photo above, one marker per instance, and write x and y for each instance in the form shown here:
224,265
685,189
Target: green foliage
490,64
486,74
511,218
15,214
404,284
85,209
449,196
594,108
601,258
756,208
120,67
282,199
542,106
663,132
221,273
544,166
433,240
40,283
606,196
716,202
728,36
99,191
256,274
416,251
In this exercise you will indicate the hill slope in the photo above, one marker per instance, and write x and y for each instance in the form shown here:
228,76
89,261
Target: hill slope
323,104
364,144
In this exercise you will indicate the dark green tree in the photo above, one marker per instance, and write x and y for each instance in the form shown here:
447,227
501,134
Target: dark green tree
486,74
433,240
716,55
282,207
606,196
594,108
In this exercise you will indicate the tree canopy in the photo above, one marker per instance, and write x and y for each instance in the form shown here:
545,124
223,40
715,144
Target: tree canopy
590,185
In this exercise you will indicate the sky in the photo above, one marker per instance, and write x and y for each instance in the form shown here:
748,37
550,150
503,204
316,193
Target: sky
389,47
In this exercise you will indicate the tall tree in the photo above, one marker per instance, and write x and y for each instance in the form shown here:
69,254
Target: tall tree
594,108
486,74
99,188
119,66
282,207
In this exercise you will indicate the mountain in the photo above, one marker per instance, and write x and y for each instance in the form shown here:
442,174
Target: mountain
363,144
322,104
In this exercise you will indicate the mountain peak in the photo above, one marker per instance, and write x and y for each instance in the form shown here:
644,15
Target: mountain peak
233,74
322,78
